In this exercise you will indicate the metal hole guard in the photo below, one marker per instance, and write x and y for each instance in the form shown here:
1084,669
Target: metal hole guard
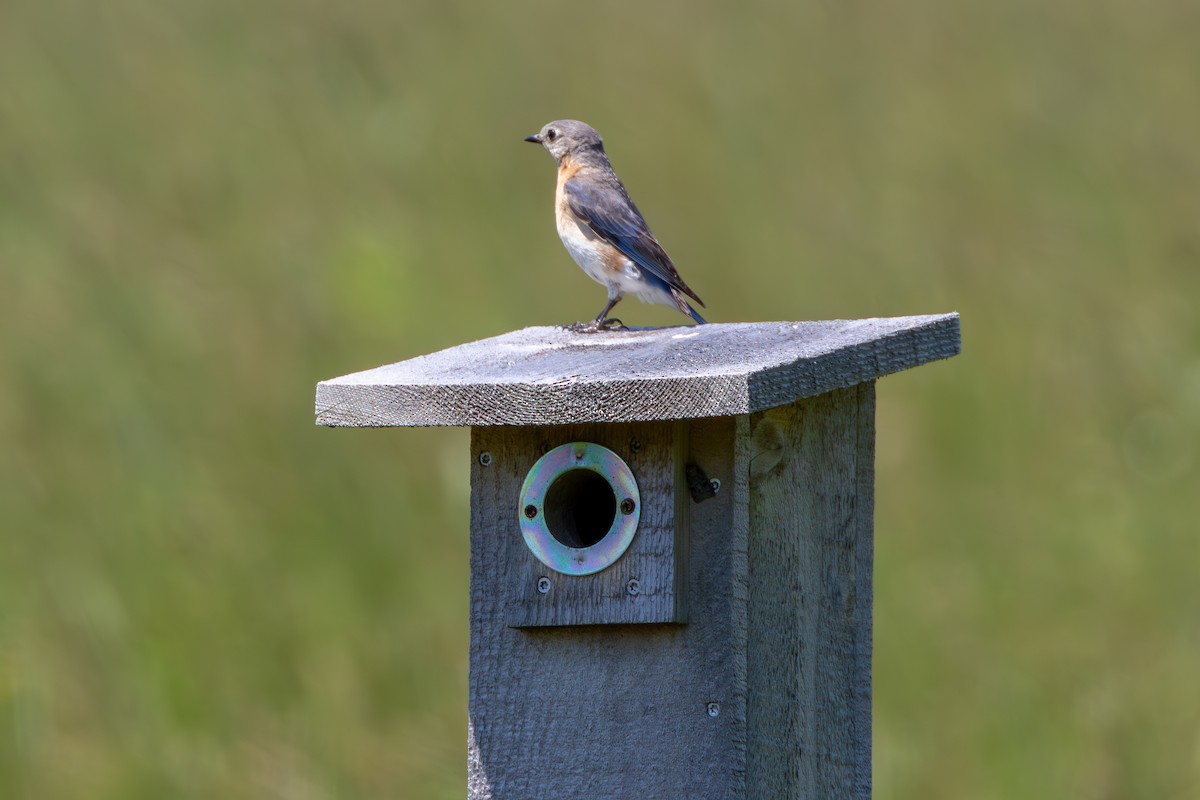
531,510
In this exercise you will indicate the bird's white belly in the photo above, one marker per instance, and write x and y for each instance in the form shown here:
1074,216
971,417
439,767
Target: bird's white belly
590,252
605,264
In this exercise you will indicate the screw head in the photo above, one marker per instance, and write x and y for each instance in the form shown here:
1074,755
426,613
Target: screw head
634,587
714,708
485,459
627,506
634,445
543,585
530,511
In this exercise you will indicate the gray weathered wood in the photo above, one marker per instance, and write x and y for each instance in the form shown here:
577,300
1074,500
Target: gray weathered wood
811,552
549,376
764,691
654,455
777,642
614,712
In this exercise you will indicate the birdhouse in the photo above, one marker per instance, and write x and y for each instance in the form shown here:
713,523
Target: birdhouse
671,550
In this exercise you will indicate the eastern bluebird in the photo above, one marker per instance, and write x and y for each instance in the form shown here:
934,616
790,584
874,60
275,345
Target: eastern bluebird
601,227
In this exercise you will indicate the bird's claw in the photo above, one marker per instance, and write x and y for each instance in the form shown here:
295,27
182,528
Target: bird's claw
597,325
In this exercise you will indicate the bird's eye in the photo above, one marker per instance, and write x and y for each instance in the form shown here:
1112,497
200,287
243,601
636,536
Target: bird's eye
552,134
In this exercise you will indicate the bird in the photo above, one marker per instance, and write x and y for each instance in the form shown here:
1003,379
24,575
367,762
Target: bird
603,230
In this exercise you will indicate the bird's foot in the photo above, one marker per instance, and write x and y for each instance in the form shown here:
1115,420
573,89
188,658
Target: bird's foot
597,325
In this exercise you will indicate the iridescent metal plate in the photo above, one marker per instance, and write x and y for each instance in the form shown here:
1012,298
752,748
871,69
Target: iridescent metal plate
550,469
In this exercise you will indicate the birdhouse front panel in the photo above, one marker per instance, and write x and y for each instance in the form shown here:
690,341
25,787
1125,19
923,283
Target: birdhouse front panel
592,518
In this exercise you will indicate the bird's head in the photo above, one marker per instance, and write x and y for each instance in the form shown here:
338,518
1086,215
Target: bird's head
567,137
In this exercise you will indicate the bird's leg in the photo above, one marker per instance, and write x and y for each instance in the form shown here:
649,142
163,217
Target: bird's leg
602,321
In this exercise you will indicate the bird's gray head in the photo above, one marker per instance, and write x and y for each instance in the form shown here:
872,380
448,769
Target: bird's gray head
567,137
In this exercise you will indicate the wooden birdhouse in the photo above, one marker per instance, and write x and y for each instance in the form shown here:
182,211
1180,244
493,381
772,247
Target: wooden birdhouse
671,550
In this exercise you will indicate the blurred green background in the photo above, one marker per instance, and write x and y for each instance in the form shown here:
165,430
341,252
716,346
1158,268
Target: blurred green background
207,207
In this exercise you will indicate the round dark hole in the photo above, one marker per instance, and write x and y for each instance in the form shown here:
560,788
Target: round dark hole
580,508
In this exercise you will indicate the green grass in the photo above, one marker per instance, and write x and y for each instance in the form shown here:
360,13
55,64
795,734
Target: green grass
207,207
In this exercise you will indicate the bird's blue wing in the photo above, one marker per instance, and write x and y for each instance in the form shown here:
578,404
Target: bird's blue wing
613,217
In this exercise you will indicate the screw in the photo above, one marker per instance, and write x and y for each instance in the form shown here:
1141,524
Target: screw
716,485
485,459
530,511
633,587
627,506
714,708
634,445
543,585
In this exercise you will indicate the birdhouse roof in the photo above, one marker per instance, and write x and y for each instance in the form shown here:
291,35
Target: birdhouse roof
554,376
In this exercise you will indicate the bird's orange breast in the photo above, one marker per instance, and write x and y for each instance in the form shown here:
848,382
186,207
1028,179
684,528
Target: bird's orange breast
567,169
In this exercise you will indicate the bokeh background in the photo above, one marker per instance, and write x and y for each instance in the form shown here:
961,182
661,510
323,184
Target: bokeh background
205,208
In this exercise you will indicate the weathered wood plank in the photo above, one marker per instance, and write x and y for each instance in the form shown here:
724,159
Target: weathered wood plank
810,555
654,455
551,376
618,712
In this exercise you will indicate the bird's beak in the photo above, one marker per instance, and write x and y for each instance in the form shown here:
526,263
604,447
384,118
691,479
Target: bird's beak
535,138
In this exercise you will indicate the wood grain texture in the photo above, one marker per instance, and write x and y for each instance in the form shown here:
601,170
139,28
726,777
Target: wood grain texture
623,711
654,454
551,376
778,635
810,570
